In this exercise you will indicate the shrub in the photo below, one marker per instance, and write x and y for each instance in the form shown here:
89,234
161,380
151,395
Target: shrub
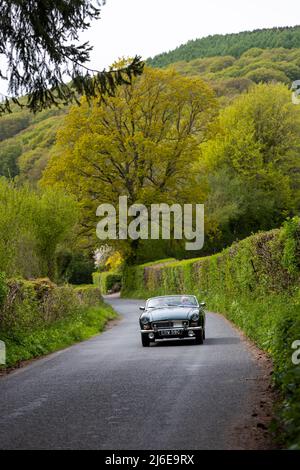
32,304
3,288
74,267
290,236
38,317
108,281
32,227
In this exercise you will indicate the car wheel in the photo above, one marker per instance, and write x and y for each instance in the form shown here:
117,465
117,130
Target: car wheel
145,340
199,337
204,334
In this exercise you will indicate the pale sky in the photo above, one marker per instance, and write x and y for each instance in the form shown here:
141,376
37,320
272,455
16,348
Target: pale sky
148,27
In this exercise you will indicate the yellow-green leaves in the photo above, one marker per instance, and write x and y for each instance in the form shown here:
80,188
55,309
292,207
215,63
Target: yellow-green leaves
141,143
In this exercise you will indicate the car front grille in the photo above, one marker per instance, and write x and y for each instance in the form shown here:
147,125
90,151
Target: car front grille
163,324
168,324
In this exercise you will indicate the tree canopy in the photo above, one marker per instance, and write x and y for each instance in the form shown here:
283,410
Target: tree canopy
142,144
252,164
33,226
229,76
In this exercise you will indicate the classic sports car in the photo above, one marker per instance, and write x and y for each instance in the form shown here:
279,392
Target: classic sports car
172,316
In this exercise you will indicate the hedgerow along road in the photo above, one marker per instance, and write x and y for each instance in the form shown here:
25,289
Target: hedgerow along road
111,393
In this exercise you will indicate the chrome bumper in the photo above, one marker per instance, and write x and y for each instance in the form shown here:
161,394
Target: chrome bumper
194,328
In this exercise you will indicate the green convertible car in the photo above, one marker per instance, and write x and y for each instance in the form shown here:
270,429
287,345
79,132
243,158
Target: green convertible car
172,316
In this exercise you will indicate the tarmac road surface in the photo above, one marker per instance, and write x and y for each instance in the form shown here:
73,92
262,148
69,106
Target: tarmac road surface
111,393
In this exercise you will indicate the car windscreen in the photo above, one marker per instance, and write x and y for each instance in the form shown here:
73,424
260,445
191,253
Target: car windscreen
172,301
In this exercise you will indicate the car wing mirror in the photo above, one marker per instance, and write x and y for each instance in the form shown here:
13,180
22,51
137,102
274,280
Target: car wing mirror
202,304
142,308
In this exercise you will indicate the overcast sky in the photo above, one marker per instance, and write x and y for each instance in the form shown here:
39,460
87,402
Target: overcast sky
148,27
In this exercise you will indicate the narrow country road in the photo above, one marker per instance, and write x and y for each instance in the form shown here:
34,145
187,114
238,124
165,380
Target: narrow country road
110,393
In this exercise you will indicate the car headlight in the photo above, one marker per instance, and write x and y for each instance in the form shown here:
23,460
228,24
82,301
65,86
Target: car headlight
145,320
195,316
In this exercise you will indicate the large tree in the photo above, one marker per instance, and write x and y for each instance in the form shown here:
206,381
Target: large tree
43,58
142,144
252,164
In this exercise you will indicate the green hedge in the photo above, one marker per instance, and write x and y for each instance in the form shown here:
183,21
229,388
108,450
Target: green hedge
38,317
107,281
256,284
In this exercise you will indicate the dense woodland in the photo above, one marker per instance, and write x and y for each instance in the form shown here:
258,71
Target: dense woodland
242,154
230,44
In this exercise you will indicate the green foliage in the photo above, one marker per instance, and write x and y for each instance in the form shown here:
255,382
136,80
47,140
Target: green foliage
32,227
230,45
52,222
255,283
108,281
25,149
243,139
230,76
265,75
143,141
34,135
38,317
290,237
254,266
3,288
9,154
74,267
61,334
158,261
36,143
12,125
253,153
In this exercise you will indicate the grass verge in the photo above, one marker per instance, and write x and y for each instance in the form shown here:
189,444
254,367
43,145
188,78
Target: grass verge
83,324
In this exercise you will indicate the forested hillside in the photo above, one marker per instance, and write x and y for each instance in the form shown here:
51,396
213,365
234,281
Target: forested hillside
230,76
26,140
230,44
231,64
237,176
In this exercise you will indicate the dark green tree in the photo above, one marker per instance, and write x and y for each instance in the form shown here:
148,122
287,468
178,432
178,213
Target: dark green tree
9,154
45,61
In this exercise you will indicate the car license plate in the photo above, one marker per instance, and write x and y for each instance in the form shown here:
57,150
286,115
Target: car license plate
169,332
